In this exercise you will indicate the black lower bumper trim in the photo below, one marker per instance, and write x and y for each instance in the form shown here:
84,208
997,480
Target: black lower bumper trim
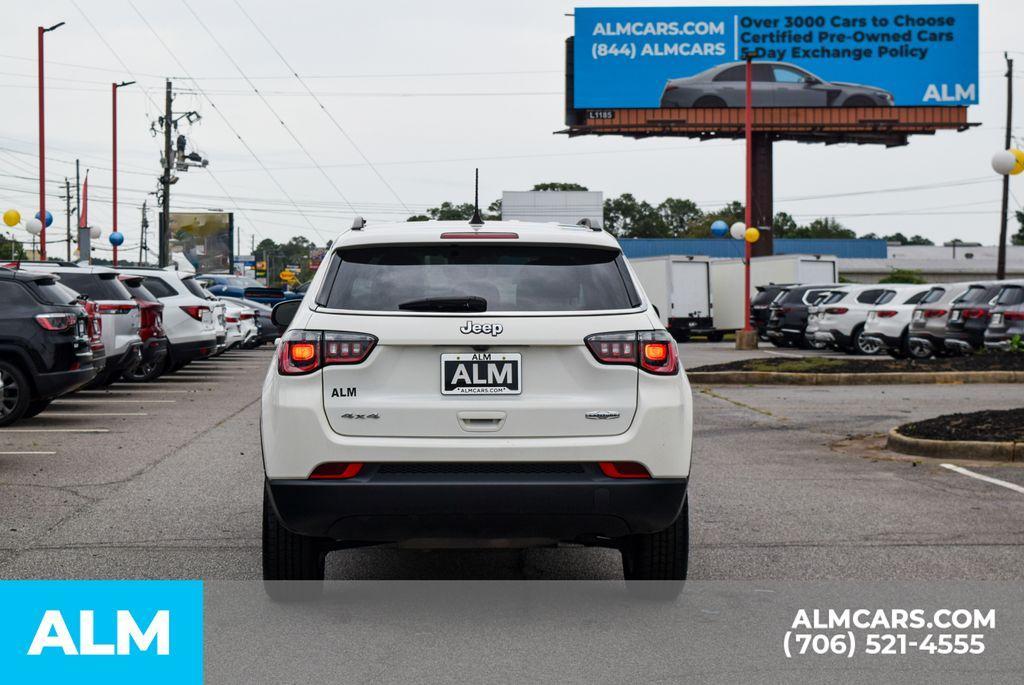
182,353
560,508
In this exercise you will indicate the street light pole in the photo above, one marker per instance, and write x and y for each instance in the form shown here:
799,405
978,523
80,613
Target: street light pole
1003,218
749,135
42,141
113,92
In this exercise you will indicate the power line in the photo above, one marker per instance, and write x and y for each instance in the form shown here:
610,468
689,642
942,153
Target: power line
227,122
318,101
274,112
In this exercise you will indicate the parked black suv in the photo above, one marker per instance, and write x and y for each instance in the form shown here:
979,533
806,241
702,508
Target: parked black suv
968,319
788,321
45,349
761,306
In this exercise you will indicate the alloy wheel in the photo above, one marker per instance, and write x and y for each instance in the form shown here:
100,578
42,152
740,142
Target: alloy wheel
9,393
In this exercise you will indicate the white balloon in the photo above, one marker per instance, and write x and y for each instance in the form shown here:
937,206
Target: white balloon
34,226
738,230
1003,162
95,232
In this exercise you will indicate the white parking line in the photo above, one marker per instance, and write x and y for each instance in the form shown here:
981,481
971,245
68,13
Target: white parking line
17,453
987,479
140,391
103,400
91,413
783,354
54,430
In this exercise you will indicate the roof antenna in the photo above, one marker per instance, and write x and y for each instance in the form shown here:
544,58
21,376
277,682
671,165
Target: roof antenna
476,219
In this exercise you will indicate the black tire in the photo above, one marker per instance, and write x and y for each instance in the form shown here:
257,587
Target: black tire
710,102
716,337
143,372
15,393
903,351
858,345
35,408
859,101
288,556
663,555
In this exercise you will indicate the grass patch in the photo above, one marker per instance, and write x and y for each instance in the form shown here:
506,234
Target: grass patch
803,365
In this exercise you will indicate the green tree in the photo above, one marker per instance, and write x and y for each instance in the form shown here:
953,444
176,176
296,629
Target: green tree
730,214
10,250
910,276
625,217
825,227
783,225
1018,237
681,217
558,186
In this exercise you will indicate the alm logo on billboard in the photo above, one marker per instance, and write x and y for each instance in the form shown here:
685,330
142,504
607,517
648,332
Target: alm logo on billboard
945,92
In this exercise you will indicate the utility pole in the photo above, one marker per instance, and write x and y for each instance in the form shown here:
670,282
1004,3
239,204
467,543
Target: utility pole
165,181
1001,260
145,230
67,212
78,190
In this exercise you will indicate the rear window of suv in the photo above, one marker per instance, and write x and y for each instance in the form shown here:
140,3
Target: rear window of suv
520,278
103,286
1011,295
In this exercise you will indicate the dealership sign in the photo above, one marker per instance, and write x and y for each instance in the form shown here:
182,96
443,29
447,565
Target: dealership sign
825,56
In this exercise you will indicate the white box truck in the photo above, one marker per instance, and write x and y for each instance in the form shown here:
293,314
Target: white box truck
680,287
727,280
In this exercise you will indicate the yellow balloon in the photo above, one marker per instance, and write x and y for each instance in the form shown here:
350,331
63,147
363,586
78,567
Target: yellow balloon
1019,166
752,235
12,217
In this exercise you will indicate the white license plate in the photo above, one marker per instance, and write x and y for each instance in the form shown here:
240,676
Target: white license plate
919,316
481,373
997,320
955,316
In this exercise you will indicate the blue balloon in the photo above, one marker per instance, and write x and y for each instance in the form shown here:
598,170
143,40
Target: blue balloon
49,218
719,228
116,238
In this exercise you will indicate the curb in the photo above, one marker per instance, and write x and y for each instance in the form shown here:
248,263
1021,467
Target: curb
886,378
955,449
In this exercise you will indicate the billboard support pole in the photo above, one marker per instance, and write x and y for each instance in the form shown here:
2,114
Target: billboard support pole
1001,260
164,229
747,338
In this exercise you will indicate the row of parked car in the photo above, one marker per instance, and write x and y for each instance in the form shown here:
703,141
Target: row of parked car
917,321
66,326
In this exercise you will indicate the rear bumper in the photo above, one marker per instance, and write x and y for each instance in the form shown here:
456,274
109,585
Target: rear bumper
154,349
190,351
887,342
965,341
698,325
59,383
372,509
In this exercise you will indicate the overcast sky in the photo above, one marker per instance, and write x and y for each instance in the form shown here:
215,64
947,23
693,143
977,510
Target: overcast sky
427,91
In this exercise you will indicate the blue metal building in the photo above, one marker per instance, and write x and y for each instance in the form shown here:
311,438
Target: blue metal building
728,247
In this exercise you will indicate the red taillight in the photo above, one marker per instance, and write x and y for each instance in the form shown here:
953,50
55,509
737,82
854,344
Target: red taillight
336,470
306,351
975,313
623,469
231,319
934,313
478,235
195,311
245,317
652,351
56,322
1013,316
110,308
836,310
886,313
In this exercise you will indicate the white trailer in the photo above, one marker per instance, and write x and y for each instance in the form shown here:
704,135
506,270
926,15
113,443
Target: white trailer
727,280
680,287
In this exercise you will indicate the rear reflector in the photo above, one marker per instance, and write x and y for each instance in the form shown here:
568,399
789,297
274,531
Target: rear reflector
336,470
886,313
975,313
623,469
836,310
478,235
933,313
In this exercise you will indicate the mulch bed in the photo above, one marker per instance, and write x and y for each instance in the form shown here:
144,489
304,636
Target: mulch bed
1005,425
976,362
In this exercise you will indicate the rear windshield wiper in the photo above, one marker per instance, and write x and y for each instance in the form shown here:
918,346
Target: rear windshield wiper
446,304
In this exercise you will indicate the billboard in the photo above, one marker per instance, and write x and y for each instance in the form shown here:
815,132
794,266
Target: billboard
205,239
807,56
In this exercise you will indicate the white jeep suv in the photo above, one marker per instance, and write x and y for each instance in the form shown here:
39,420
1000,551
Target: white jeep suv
506,384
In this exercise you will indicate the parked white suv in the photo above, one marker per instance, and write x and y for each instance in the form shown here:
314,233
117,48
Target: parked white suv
188,317
838,320
888,323
508,384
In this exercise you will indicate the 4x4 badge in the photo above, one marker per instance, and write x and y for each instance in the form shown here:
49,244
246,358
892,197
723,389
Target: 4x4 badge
489,328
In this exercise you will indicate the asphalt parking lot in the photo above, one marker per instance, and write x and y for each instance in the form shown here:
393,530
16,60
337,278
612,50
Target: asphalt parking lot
163,480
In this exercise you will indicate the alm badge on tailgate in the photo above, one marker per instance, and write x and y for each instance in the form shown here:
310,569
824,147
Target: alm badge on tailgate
481,373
